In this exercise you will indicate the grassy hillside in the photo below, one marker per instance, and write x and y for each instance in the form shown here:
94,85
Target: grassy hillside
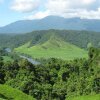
8,93
88,97
54,47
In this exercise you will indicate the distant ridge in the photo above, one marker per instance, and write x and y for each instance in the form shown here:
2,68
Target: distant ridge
52,22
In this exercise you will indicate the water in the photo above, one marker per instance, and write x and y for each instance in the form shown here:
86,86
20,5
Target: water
8,50
30,60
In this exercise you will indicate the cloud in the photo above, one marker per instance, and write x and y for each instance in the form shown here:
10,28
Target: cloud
90,14
25,5
38,15
69,8
88,1
63,5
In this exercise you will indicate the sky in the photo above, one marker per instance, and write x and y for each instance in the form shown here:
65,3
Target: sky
14,10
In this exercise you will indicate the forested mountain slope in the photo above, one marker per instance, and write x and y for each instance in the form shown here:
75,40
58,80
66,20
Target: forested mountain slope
79,38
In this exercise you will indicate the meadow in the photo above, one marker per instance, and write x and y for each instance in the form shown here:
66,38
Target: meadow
8,93
88,97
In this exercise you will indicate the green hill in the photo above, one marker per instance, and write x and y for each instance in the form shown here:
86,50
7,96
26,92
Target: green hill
88,97
54,46
8,93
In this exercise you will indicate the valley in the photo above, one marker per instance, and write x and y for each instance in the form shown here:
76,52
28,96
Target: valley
49,49
61,44
48,62
50,65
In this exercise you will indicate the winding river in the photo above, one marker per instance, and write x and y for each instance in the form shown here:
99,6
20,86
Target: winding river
30,60
24,57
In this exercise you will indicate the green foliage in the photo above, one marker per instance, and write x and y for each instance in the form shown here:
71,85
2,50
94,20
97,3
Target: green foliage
78,38
54,79
88,97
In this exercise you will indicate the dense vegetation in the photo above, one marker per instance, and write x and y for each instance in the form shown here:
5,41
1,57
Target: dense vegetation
81,39
61,44
87,97
54,79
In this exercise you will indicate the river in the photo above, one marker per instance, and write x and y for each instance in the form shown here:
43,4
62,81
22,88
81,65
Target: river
30,60
24,57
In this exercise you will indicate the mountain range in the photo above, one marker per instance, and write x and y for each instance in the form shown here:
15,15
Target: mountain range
52,22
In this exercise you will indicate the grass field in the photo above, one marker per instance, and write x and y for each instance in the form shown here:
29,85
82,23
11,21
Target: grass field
53,48
8,93
88,97
2,99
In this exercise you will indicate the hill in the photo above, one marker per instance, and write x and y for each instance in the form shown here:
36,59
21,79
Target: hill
88,97
51,22
54,47
8,93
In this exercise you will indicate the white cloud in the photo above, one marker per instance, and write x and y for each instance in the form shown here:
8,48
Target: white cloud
88,1
73,8
25,5
69,8
81,13
63,5
90,14
57,5
38,15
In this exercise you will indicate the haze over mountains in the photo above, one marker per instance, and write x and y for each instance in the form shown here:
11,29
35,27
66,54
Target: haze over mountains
52,22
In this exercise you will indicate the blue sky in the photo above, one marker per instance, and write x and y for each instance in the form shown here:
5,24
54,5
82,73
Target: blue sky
13,10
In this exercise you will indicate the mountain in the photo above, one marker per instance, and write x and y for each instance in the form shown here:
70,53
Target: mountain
52,22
